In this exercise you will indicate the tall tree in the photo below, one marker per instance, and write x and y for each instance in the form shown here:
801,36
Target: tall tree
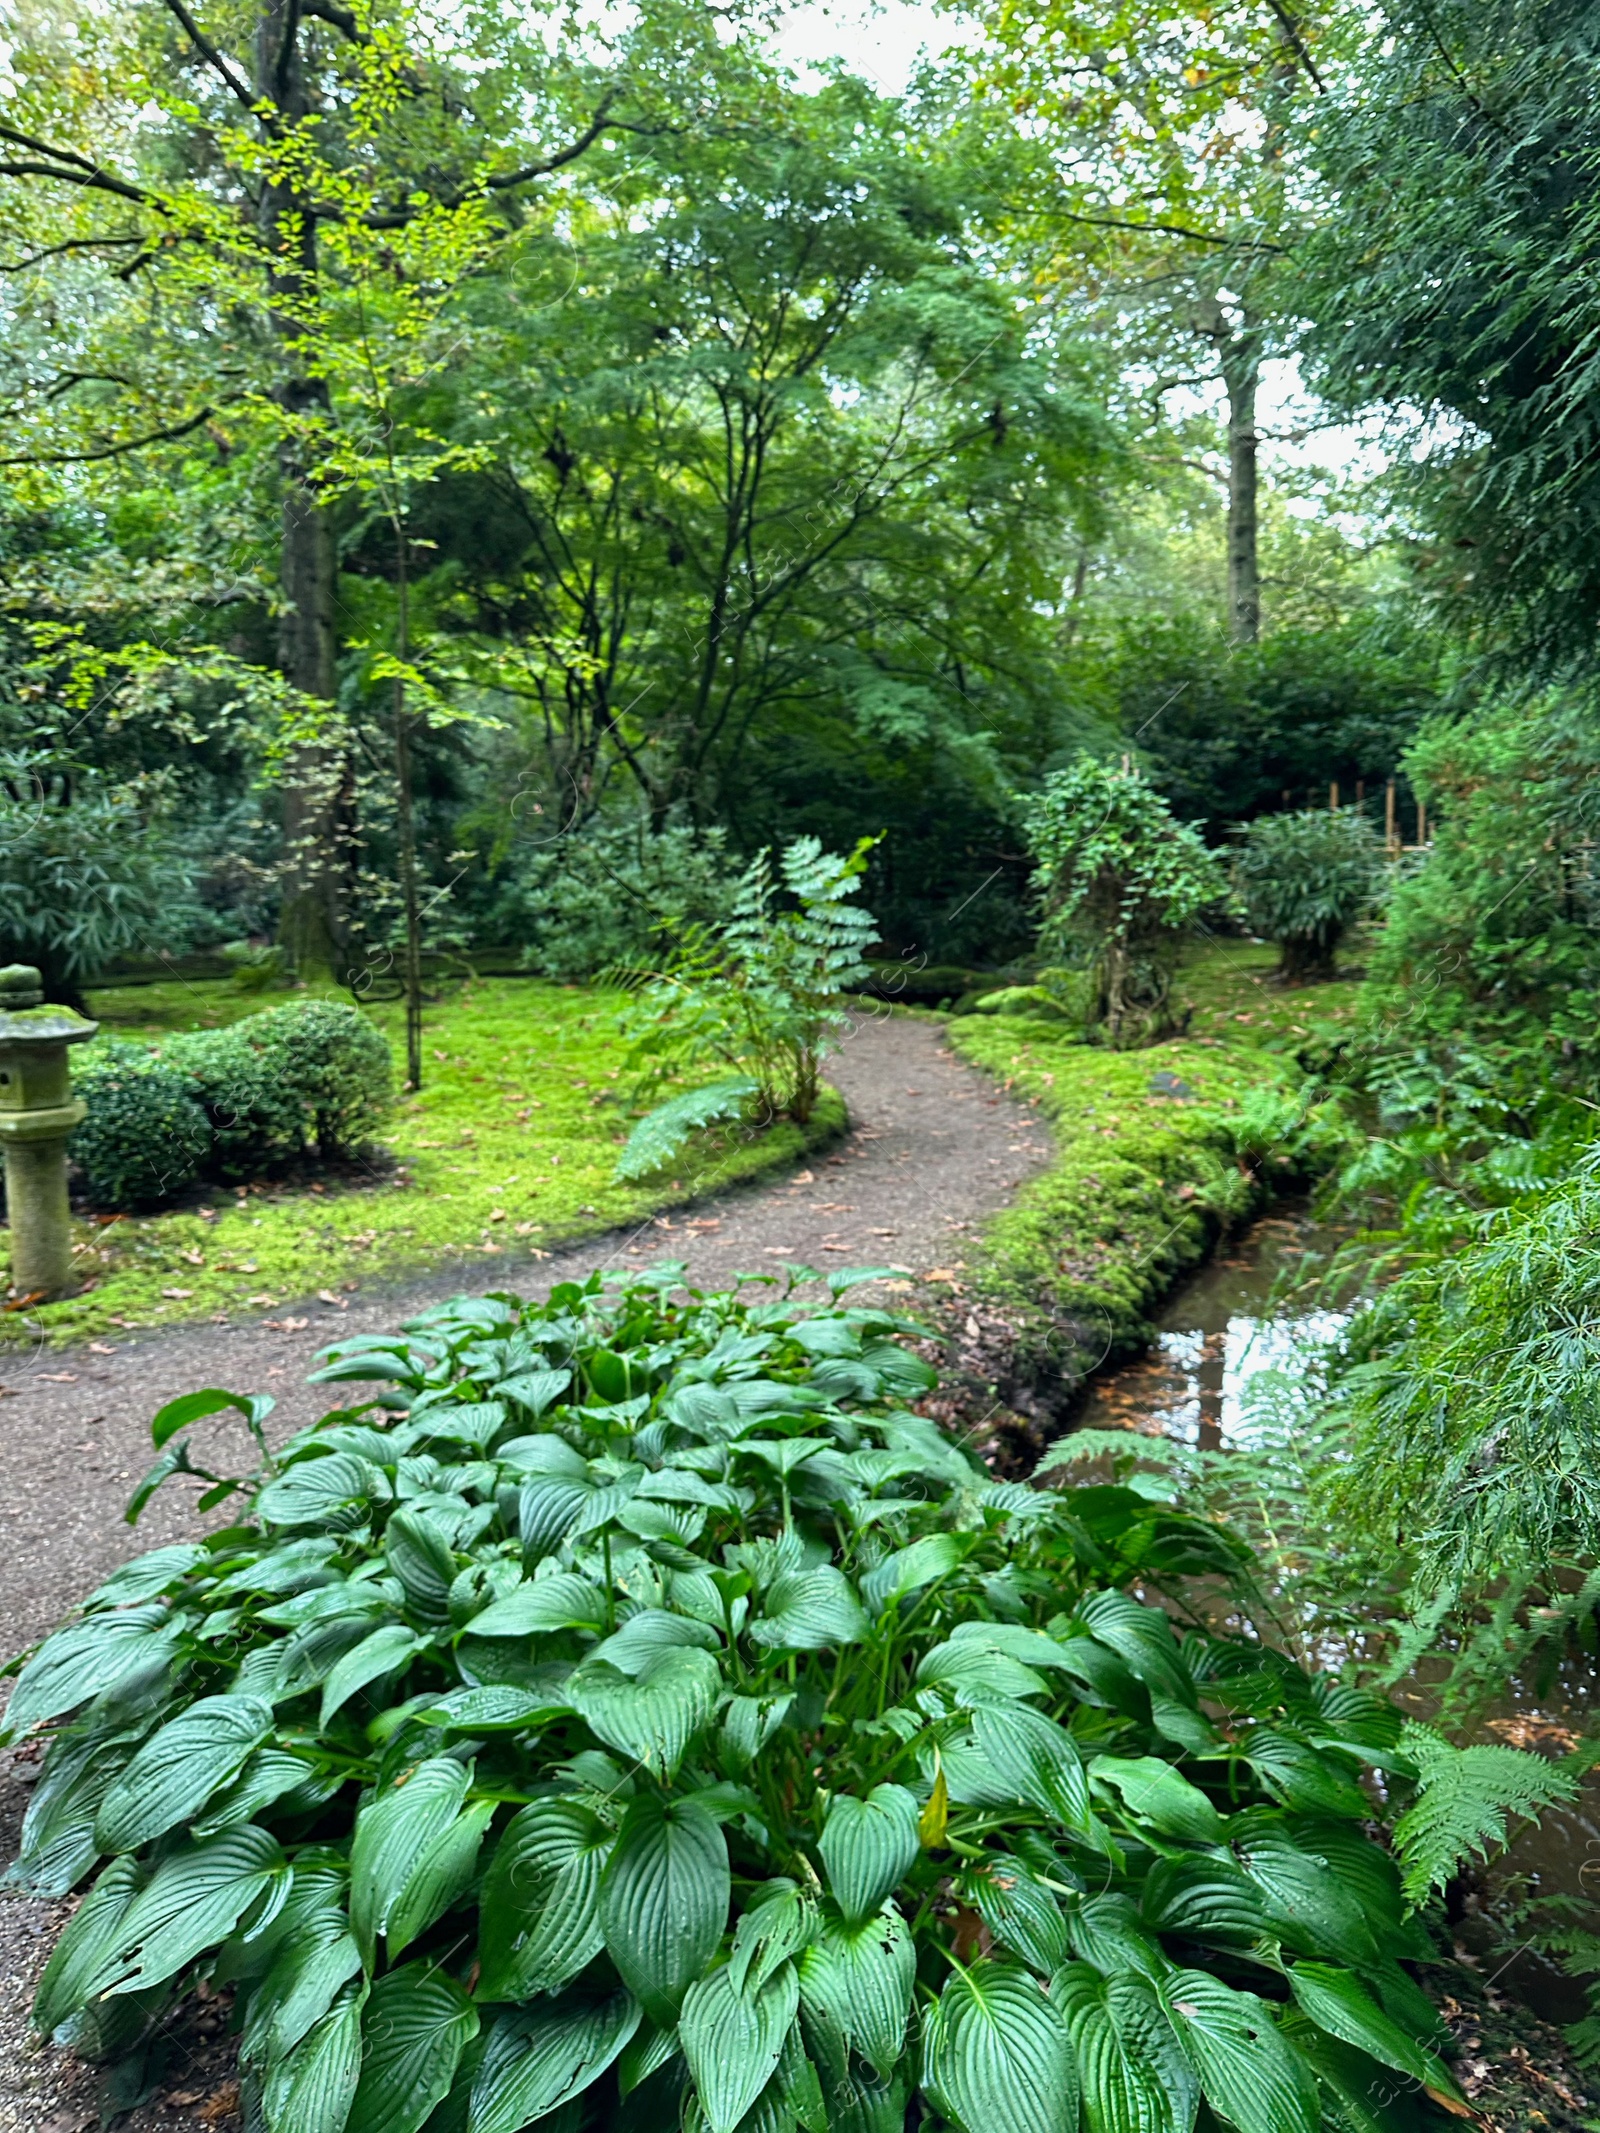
193,185
1169,192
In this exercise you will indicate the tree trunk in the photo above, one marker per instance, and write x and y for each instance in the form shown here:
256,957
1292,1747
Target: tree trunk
310,923
1241,371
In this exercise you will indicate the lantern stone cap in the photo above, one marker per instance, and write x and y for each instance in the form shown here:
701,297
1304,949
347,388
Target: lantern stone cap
25,1020
45,1025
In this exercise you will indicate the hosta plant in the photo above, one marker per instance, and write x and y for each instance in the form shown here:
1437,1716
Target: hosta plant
639,1716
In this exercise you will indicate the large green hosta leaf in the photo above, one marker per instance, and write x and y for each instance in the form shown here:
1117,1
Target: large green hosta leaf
653,1718
855,1991
1036,1757
1252,2076
392,1834
416,2025
1338,2002
179,1768
997,2056
1122,2091
539,1911
664,1900
90,1658
539,2059
312,2090
868,1847
733,2037
195,1899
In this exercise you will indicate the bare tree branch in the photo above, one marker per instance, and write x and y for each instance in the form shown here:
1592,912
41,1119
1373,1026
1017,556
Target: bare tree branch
1172,229
341,18
67,165
108,451
209,53
398,218
1291,30
562,156
71,244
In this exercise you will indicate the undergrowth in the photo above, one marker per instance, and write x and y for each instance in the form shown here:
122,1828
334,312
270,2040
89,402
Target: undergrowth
639,1716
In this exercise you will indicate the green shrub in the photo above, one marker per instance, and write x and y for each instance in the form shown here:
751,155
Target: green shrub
1122,885
641,1718
313,1074
1304,878
145,1138
84,873
255,968
597,896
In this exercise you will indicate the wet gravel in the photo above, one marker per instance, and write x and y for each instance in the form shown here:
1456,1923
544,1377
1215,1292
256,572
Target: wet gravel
932,1150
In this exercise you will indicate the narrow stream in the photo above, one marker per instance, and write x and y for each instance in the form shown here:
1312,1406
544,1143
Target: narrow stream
1239,1317
1218,1331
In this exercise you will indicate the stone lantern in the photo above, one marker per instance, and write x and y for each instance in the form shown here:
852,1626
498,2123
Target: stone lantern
37,1112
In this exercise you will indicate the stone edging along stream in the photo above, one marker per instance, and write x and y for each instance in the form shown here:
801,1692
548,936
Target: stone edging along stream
1159,1153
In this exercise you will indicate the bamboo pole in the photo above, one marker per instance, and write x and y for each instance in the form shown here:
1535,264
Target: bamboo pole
1391,834
1333,797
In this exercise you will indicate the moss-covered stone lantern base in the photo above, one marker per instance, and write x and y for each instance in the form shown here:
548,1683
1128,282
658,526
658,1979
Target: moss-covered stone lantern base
37,1112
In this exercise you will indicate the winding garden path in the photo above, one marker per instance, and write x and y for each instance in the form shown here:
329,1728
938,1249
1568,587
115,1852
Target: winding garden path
932,1149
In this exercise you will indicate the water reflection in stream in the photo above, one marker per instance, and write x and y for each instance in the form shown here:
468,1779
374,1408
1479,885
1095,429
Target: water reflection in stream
1218,1332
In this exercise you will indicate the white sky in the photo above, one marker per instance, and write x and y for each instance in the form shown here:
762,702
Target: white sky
881,42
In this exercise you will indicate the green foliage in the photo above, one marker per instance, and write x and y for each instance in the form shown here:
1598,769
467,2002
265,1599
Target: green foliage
1463,1798
1124,883
662,1132
1473,1391
1451,284
706,1691
762,994
82,874
1304,879
1486,970
1224,730
600,895
145,1138
310,1075
255,967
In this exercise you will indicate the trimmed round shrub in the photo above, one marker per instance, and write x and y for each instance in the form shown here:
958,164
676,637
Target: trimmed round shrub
145,1137
313,1074
1304,878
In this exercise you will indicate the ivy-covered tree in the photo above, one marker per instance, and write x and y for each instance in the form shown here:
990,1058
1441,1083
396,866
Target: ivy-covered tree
1122,884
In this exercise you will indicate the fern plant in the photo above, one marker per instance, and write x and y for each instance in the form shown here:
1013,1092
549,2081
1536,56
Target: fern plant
760,996
1463,1799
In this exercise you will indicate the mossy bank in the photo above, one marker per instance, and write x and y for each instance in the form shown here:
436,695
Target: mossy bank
1159,1152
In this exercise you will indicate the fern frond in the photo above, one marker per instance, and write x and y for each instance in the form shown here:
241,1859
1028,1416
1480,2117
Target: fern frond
662,1132
1463,1799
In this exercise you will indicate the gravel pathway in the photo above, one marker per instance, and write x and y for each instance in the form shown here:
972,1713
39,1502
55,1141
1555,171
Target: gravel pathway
933,1149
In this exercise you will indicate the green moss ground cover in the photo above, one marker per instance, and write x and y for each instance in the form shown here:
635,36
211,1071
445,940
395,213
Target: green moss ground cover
1158,1151
509,1149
